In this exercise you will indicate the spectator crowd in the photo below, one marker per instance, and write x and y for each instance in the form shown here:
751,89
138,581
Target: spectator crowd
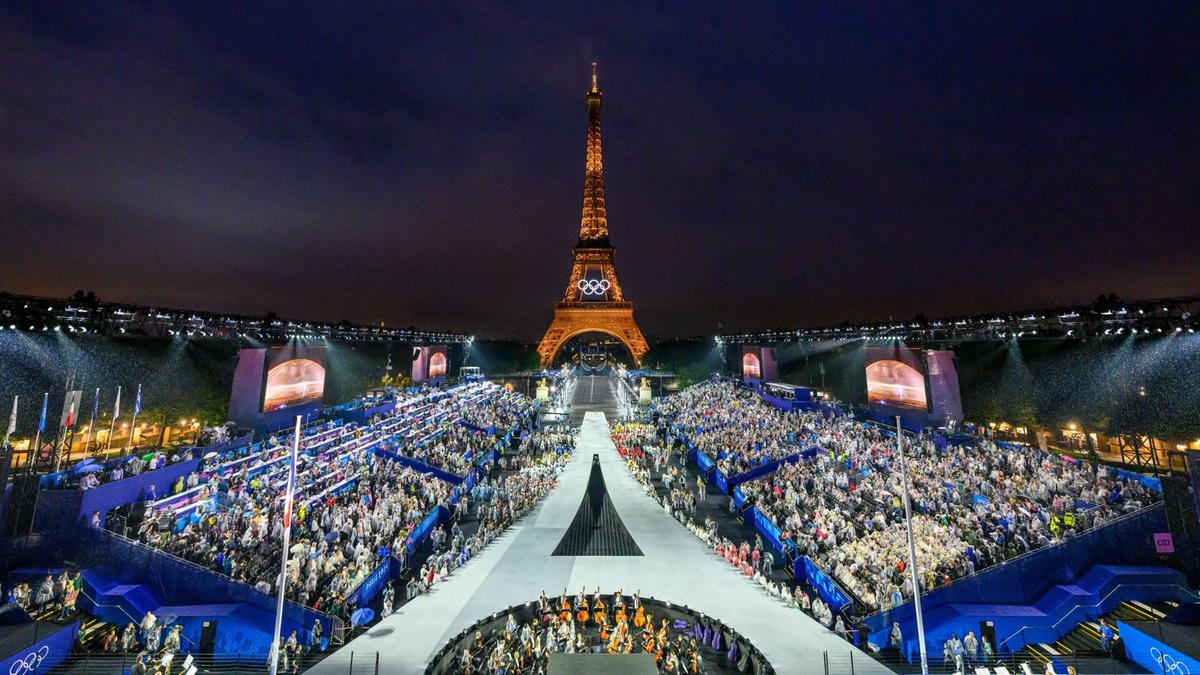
974,505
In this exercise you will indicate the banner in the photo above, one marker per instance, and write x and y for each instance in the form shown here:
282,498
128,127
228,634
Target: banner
372,585
826,587
43,655
1154,654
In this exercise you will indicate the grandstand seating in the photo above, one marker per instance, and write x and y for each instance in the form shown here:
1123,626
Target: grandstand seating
124,579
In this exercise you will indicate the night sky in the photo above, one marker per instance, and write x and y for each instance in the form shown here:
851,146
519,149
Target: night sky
424,164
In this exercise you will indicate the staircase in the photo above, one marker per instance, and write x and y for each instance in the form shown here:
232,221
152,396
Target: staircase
92,631
1084,639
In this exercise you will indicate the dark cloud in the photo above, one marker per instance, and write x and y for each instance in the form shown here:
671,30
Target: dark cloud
772,165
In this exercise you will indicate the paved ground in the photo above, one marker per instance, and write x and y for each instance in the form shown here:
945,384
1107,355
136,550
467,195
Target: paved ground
518,566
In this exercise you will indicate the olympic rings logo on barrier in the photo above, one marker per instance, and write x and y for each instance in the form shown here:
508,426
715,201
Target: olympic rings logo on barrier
30,663
593,286
1169,664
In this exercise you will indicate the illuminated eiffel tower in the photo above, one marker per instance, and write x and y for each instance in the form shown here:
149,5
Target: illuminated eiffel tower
594,300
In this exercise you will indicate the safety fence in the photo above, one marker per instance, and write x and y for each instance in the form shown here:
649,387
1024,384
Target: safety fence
851,662
334,663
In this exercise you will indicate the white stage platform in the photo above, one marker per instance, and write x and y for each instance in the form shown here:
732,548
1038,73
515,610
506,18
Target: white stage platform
517,567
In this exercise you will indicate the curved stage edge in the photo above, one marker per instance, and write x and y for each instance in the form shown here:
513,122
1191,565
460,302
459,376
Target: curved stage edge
722,649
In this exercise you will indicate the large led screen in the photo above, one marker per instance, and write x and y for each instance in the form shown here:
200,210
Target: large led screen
896,377
429,363
751,367
437,365
295,376
758,363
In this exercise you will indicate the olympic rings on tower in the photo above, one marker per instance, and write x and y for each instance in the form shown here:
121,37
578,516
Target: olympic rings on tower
593,286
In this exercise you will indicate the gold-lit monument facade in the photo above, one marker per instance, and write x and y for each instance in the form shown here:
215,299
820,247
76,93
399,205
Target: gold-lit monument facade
594,300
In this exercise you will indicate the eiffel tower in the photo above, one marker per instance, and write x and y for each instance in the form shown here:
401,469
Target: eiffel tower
593,300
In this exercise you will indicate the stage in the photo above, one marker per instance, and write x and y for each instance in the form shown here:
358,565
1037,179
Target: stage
675,566
601,664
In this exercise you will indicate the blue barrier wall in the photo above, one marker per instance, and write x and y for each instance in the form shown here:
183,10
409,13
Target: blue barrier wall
360,415
178,582
1153,654
42,655
133,488
419,466
833,595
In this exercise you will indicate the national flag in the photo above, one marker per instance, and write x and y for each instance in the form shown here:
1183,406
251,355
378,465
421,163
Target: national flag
95,408
12,418
117,404
42,422
71,412
137,404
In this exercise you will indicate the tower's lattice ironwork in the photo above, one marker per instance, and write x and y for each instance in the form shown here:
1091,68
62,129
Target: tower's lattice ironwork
594,300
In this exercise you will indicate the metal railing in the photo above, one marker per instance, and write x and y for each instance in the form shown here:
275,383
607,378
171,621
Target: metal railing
335,663
338,625
1084,612
850,662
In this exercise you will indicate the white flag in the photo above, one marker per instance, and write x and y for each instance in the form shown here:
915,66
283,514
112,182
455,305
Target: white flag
117,405
12,419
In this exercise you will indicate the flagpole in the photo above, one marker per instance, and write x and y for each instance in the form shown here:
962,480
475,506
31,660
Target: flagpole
37,441
912,550
137,406
95,408
112,426
68,433
277,636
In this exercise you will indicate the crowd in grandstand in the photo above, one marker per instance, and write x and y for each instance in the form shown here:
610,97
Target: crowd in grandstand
503,412
500,503
336,540
974,505
455,450
647,459
737,429
353,507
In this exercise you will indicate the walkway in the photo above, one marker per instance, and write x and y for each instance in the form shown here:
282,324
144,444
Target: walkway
518,566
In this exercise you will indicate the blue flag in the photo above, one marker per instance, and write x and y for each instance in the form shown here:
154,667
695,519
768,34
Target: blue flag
42,423
137,404
95,407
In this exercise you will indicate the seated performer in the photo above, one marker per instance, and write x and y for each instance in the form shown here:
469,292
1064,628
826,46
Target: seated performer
614,643
581,607
564,607
639,618
661,639
648,644
620,616
599,616
693,658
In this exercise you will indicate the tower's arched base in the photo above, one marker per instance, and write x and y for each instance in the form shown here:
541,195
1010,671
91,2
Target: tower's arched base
571,321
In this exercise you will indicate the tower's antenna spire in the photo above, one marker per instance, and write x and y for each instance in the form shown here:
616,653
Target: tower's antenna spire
595,85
